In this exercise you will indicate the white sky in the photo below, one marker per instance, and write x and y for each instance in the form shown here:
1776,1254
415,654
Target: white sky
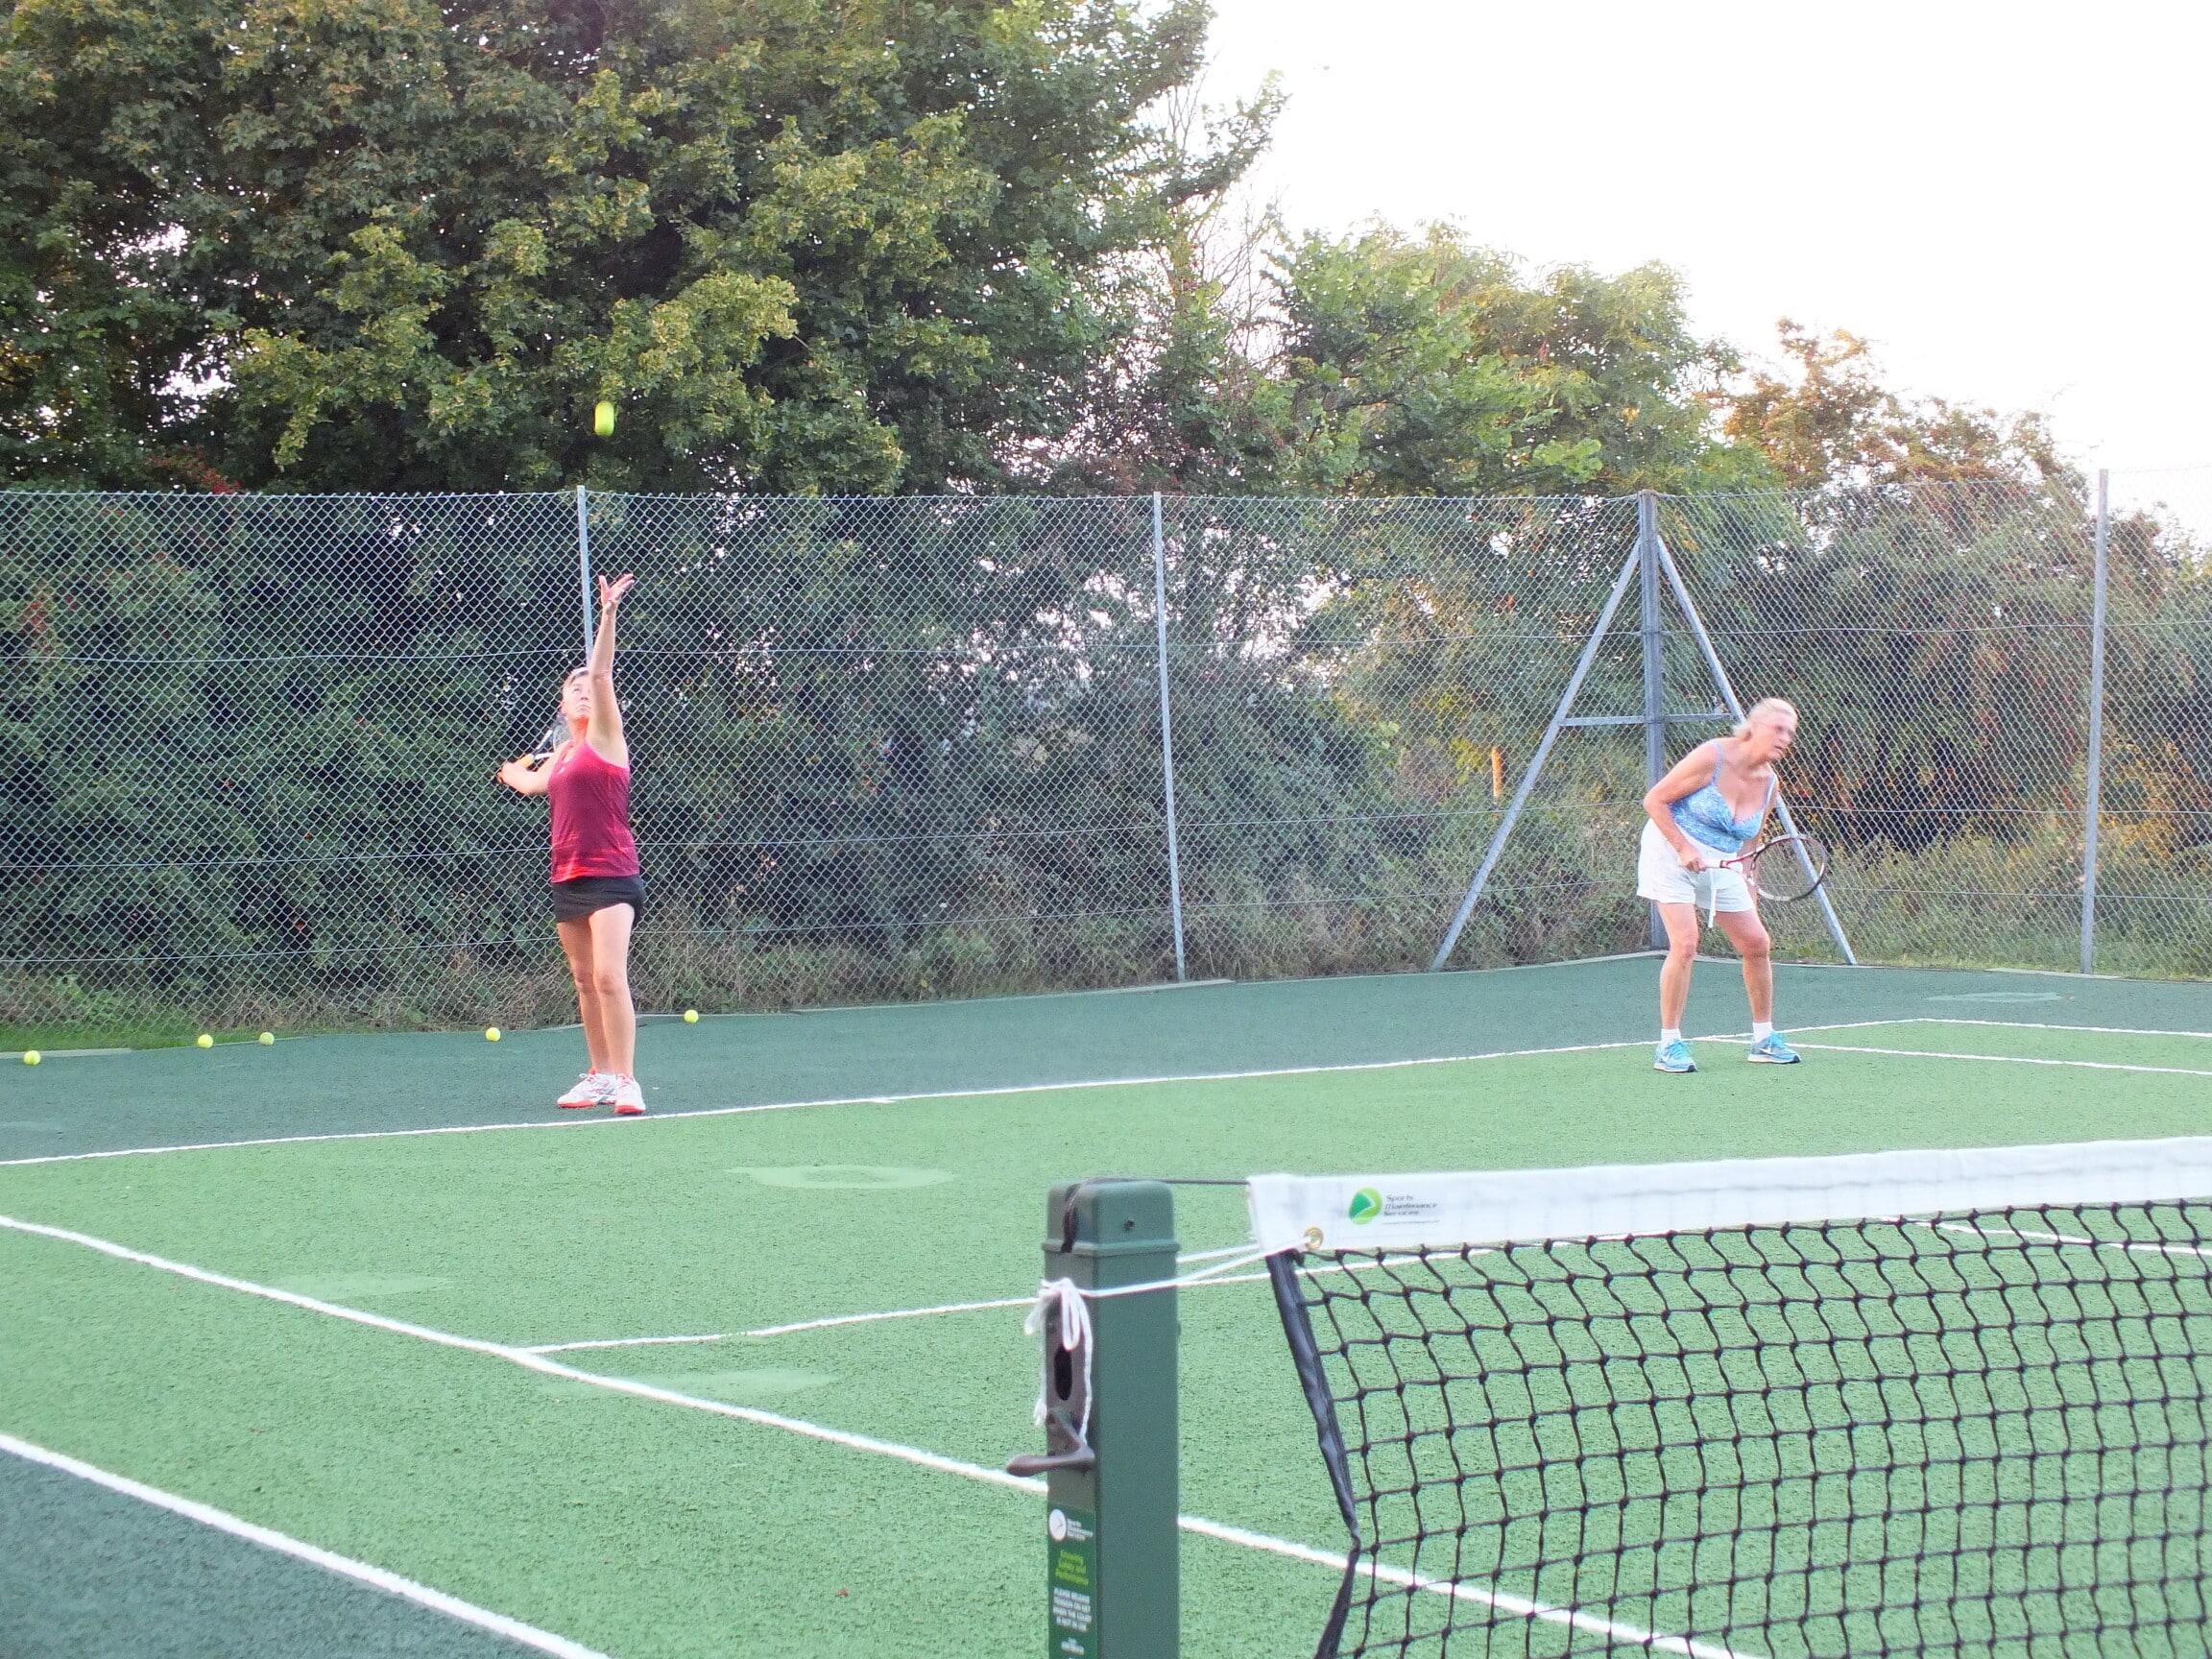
2009,200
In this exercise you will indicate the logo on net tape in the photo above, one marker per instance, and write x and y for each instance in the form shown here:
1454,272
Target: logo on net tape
1370,1205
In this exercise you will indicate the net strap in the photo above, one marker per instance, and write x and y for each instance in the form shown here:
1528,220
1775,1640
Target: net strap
1063,1298
1070,1303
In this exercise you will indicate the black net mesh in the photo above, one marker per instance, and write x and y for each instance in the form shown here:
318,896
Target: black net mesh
1964,1434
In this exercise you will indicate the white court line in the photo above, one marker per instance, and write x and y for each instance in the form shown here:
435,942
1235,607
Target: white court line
787,1329
618,1342
2141,1246
898,1314
1941,1020
1501,1600
2010,1025
2007,1059
521,1356
829,1101
1194,1282
914,1455
361,1571
1032,1088
874,1318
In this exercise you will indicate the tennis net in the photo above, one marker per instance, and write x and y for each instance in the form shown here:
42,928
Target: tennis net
1948,1403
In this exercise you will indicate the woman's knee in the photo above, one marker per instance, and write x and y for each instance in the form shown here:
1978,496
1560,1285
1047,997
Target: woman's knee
1754,945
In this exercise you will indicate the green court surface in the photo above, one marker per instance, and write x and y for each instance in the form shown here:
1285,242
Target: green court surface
791,1479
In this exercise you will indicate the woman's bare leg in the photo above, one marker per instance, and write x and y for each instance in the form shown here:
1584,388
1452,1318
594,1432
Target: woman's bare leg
1749,934
1681,922
610,975
576,944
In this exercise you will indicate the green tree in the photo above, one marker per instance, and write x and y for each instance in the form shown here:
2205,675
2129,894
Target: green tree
804,245
1429,366
1830,420
1182,400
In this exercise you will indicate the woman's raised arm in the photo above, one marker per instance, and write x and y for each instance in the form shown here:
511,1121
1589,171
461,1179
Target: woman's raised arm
605,732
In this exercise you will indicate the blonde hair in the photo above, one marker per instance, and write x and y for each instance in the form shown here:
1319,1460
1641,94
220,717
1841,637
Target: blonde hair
1763,707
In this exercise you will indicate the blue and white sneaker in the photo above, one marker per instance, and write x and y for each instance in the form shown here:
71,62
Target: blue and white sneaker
1674,1056
1771,1050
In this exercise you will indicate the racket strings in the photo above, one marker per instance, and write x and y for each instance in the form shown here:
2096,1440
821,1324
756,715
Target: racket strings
1789,868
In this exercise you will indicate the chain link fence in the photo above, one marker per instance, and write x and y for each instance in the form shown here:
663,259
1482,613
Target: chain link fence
1937,642
901,748
2153,908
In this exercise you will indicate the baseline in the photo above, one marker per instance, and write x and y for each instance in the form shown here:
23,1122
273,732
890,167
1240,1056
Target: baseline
1163,1079
575,1123
283,1544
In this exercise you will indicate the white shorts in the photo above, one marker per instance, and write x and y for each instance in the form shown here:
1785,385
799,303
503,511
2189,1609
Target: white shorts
1661,878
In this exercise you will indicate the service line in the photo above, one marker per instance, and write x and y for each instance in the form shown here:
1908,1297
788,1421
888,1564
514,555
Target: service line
2007,1059
1196,1282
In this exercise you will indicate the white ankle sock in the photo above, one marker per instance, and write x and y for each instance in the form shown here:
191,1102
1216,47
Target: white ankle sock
1669,1034
1762,1029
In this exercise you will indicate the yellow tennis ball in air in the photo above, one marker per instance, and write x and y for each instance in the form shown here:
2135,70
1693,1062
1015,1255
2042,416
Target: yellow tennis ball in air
204,1041
690,1016
31,1056
267,1038
603,419
490,1033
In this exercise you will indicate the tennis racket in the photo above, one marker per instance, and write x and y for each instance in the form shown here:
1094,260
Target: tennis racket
556,735
1786,869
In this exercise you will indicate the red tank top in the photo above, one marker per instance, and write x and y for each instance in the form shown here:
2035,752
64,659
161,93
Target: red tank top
590,797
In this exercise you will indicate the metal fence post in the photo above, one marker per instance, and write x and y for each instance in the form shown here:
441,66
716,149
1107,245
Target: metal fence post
1167,730
584,563
1655,662
2094,790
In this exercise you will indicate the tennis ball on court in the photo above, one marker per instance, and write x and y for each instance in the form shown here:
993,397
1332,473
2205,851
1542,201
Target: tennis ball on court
603,419
31,1056
267,1038
490,1033
690,1016
204,1041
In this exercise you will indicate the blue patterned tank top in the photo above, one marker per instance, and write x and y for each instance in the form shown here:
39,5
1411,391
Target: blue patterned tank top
1706,817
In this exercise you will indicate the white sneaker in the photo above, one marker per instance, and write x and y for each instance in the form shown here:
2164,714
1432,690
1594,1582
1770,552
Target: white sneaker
629,1099
593,1089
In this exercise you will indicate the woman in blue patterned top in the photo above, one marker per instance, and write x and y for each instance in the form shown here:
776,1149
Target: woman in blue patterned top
1709,809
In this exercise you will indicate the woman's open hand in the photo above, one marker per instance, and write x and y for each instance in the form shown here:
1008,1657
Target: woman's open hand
611,592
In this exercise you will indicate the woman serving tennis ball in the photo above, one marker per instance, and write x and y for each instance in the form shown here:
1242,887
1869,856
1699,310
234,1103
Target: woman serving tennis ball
1702,814
598,894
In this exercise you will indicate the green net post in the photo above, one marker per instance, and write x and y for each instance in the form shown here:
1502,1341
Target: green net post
1111,1456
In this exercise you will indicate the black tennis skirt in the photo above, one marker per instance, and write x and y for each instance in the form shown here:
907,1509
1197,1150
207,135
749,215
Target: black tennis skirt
577,898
